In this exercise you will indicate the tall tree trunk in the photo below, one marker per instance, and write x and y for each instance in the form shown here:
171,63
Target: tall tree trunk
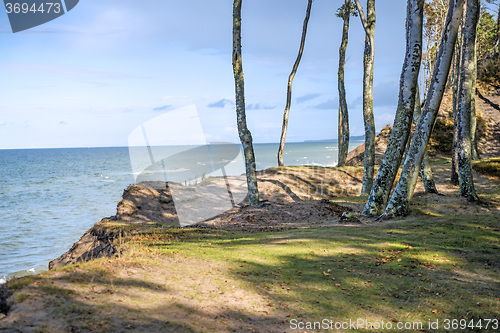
401,196
343,132
369,121
404,114
244,133
284,127
456,83
467,92
473,120
425,168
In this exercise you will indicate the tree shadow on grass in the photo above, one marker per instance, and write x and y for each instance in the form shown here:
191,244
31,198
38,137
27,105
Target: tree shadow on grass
434,269
398,272
96,301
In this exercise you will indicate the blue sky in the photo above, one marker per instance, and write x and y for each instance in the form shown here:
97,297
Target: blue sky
91,76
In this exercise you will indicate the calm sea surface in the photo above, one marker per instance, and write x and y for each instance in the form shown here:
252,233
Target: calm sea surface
50,197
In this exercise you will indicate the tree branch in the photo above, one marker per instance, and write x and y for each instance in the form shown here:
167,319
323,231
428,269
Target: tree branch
362,16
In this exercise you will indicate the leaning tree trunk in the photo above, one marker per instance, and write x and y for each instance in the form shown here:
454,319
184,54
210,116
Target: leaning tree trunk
284,127
244,133
395,150
425,168
466,100
401,196
369,121
343,134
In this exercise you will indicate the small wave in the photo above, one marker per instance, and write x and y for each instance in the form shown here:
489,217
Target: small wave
181,169
18,274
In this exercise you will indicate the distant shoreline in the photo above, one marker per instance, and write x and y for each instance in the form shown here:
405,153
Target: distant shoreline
353,138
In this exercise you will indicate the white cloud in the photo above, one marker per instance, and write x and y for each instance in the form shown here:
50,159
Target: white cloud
163,108
383,119
306,97
220,103
330,104
259,106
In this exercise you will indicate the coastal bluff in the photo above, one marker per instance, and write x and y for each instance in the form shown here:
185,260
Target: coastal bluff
292,197
95,243
141,203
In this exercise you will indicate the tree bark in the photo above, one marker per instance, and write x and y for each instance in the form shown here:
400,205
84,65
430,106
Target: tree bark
284,127
425,168
467,92
456,80
473,120
395,150
402,194
369,121
343,131
244,133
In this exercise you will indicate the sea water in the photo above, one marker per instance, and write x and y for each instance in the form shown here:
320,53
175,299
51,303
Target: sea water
50,197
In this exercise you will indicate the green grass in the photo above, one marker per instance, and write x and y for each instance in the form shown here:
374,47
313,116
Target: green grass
444,268
21,282
425,268
488,166
20,297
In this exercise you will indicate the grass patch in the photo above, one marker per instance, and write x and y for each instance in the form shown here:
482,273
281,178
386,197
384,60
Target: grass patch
445,268
20,297
197,280
20,283
488,166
